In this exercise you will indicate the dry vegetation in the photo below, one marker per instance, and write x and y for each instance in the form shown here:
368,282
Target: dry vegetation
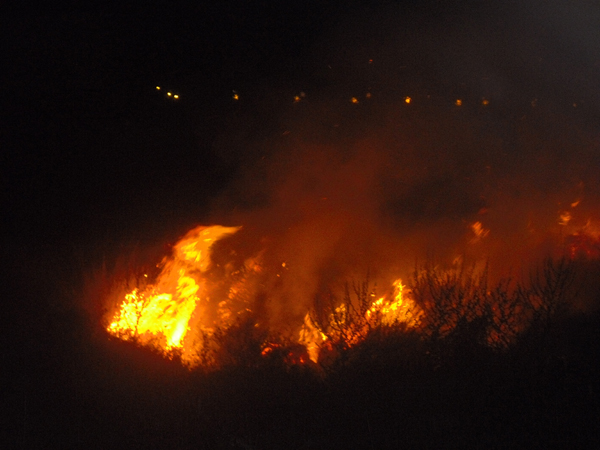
510,364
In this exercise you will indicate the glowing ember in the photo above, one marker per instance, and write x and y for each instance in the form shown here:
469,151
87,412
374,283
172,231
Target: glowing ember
479,231
565,218
583,242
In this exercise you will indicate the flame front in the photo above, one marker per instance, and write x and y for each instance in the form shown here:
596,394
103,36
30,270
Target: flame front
350,329
164,309
212,295
160,313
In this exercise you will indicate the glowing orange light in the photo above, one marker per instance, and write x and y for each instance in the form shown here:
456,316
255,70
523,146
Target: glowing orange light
458,102
169,94
407,100
158,88
389,310
311,338
163,310
564,218
485,101
479,231
176,96
354,100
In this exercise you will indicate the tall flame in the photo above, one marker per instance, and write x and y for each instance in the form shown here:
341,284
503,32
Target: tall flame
165,308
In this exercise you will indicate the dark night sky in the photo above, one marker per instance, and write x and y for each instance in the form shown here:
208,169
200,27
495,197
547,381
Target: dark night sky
92,151
87,138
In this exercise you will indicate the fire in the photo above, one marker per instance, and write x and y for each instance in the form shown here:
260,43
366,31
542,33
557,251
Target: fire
196,290
582,239
399,309
347,326
311,338
479,231
584,242
565,218
163,310
159,313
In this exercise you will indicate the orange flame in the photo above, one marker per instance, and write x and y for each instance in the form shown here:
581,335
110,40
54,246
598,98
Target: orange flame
382,312
165,308
160,313
398,309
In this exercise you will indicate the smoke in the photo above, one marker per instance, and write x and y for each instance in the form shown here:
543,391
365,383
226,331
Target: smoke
329,189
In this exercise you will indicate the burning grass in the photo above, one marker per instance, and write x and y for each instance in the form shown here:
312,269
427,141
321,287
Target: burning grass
214,314
397,384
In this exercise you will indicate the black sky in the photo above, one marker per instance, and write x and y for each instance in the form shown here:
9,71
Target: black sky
91,149
85,132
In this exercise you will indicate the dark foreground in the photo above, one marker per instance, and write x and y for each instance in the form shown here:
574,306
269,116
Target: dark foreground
70,386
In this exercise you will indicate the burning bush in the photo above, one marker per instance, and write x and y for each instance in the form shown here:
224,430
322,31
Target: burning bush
214,311
335,325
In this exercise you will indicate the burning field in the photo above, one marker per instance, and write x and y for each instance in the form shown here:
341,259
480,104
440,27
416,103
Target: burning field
395,228
408,252
204,288
396,213
350,226
161,312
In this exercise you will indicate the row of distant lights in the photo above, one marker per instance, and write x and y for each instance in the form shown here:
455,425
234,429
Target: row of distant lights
169,94
408,100
301,96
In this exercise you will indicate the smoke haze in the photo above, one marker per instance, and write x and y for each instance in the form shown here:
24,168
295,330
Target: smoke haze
352,179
